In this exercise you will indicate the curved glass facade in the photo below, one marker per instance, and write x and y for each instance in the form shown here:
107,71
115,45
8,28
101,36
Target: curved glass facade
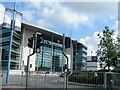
80,57
50,57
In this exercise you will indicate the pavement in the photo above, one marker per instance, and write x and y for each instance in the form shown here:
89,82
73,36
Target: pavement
12,87
15,87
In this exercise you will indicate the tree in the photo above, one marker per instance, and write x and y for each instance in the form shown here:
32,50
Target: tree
107,49
118,51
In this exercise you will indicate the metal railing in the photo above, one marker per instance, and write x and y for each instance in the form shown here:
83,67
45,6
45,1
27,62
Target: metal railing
102,80
112,80
95,79
87,79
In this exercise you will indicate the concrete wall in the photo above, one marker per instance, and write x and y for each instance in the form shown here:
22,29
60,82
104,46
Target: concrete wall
27,50
91,65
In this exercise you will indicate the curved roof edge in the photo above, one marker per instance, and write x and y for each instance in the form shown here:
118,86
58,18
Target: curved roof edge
42,28
50,31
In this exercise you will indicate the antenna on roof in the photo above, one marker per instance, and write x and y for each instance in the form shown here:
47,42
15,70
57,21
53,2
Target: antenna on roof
14,5
70,34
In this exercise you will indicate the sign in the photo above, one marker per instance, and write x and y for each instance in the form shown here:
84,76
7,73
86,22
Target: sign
7,18
94,58
18,20
38,50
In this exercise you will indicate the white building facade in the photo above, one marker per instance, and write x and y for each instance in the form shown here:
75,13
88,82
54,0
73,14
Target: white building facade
92,64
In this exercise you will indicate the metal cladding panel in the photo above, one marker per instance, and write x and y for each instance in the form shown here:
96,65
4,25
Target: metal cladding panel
91,64
47,34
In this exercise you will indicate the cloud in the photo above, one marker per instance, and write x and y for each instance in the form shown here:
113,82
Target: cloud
28,15
68,14
55,15
91,43
52,14
115,26
94,8
72,15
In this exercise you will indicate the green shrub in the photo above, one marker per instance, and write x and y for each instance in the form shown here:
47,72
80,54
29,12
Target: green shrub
86,78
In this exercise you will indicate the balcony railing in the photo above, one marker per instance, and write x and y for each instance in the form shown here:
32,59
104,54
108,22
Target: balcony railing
15,51
16,42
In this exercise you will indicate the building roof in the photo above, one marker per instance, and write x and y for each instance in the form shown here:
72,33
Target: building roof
47,34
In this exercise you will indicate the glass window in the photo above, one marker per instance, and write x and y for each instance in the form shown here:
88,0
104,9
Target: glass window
46,56
4,39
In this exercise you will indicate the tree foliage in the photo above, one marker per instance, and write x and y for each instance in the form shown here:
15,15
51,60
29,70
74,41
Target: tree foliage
107,50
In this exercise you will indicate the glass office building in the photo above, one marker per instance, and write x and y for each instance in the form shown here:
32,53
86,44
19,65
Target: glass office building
79,56
50,57
10,38
15,50
5,46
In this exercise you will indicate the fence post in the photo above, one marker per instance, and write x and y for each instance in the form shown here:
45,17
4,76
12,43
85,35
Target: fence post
21,78
105,80
46,79
36,80
65,81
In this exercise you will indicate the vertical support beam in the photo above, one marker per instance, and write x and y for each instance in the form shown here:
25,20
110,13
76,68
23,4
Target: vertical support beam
21,50
71,55
63,47
0,65
76,55
9,58
42,55
22,54
105,80
38,64
51,54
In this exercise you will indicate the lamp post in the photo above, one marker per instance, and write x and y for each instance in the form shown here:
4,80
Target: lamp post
11,37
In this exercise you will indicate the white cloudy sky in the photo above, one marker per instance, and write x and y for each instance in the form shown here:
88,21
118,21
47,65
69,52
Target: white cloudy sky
79,20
